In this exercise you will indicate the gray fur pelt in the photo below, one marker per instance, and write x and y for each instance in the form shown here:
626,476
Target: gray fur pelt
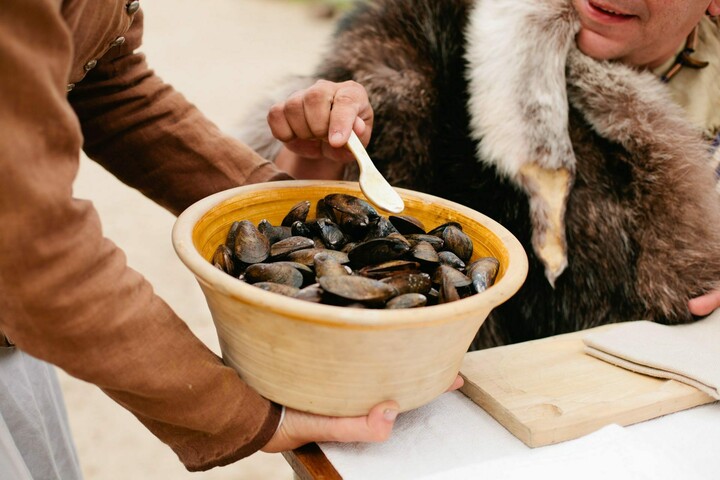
466,93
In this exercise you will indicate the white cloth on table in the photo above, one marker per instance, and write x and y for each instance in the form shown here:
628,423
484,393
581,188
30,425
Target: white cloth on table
454,436
35,439
611,452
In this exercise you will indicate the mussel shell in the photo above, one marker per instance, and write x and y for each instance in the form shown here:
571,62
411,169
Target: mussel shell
330,233
232,235
356,305
357,288
291,244
354,215
301,229
307,273
311,293
387,269
437,243
458,242
456,277
438,231
399,236
424,253
432,296
273,272
348,246
223,259
272,232
323,211
377,250
448,291
298,213
407,300
381,228
450,259
286,290
483,272
307,256
409,282
251,246
326,264
407,224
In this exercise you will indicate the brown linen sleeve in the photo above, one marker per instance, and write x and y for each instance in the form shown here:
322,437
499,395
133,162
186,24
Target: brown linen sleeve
152,138
67,295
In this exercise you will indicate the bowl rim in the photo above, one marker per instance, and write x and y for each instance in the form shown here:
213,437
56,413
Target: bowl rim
301,310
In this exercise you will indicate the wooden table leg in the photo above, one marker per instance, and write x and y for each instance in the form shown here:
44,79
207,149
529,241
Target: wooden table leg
310,463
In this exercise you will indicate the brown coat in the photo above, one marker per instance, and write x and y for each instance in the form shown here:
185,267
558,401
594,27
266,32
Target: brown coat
67,295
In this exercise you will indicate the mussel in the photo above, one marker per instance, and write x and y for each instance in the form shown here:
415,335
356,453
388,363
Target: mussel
251,246
298,213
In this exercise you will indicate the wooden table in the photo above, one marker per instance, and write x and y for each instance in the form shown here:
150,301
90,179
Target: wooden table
310,463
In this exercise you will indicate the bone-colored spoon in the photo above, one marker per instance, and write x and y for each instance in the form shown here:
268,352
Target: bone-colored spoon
372,183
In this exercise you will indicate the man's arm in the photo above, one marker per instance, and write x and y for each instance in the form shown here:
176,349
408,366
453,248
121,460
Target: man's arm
150,137
67,295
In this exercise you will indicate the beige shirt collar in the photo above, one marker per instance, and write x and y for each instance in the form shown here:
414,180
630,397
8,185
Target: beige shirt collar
698,91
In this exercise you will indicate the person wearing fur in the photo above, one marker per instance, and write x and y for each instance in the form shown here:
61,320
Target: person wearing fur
584,126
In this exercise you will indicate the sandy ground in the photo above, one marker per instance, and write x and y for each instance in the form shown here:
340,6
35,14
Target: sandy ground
222,54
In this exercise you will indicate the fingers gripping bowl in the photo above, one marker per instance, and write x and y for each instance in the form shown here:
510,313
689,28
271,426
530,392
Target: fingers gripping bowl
335,360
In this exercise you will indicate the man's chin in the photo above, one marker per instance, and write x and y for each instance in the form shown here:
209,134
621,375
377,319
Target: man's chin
598,47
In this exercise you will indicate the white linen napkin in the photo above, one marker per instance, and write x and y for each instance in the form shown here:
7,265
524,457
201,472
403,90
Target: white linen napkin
687,353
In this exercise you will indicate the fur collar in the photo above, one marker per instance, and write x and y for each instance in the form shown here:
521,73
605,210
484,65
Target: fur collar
516,53
524,71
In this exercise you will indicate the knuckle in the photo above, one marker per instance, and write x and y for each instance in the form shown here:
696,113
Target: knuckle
322,84
352,85
344,98
355,89
275,113
293,105
317,97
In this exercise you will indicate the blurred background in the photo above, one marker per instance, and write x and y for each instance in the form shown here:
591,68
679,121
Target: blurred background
223,55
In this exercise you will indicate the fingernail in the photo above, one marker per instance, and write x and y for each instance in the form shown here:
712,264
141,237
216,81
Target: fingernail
336,137
390,414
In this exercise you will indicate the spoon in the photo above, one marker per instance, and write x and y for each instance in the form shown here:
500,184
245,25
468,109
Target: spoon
372,183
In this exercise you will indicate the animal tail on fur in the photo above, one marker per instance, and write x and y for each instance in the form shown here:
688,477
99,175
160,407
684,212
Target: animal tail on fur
519,109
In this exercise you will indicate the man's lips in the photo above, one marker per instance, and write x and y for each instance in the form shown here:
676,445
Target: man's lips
608,9
607,13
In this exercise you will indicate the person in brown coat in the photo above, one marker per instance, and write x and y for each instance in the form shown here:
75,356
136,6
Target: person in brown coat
71,80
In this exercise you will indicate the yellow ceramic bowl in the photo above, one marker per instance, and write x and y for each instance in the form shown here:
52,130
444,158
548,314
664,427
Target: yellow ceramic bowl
336,360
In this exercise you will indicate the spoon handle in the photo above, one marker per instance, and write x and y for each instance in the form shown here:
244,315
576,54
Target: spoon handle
372,183
356,147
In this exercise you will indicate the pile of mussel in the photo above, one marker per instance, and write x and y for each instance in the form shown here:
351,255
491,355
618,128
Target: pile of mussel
349,255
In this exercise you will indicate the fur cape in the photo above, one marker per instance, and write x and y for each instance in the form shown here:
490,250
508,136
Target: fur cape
489,103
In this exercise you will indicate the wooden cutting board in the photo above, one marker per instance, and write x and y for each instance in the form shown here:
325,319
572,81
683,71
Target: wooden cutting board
548,391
